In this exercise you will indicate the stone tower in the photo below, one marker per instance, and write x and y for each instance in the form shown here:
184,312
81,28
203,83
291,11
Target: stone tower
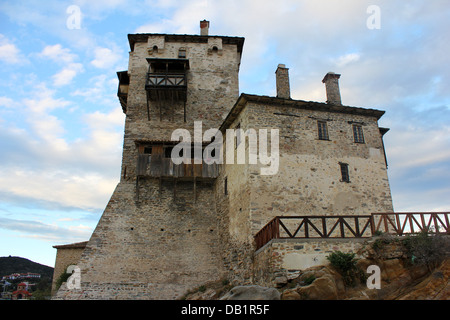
170,227
159,234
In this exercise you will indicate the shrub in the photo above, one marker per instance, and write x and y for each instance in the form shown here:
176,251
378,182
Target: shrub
427,249
309,280
345,264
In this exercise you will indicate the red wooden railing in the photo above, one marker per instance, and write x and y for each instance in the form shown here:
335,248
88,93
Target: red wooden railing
359,226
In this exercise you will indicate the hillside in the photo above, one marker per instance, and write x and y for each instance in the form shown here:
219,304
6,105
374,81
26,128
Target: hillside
11,264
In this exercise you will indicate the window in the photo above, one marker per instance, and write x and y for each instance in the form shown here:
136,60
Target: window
182,53
322,130
148,150
168,152
358,133
344,172
238,134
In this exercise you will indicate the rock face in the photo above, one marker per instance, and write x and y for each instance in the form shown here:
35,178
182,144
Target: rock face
399,278
318,283
252,293
434,287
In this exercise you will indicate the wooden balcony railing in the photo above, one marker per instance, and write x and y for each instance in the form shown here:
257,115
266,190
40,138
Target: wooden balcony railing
359,226
166,80
154,166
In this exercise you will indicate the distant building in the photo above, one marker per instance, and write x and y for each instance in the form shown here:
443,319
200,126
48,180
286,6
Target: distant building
21,293
28,275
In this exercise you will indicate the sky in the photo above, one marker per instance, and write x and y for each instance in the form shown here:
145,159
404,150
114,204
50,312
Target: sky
61,124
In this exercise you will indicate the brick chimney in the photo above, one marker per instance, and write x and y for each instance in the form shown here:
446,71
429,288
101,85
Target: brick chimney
204,28
331,81
282,78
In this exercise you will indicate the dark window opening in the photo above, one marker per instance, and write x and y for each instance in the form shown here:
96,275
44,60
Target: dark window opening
148,150
226,186
168,152
182,53
358,133
322,130
344,172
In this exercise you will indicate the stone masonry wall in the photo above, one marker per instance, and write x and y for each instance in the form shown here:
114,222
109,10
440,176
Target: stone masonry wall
309,180
280,257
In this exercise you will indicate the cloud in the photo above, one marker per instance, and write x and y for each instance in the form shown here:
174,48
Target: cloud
105,58
99,90
9,53
58,54
62,56
343,60
66,75
41,165
48,232
6,102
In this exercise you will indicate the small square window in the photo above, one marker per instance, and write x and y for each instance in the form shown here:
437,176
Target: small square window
344,172
148,150
358,133
322,130
182,53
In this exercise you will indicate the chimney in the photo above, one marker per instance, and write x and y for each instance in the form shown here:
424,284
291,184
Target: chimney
282,77
204,28
331,81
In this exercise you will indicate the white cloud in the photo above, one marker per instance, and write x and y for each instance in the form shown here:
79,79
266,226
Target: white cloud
343,60
100,89
39,230
64,57
66,75
105,58
58,54
9,53
6,102
43,100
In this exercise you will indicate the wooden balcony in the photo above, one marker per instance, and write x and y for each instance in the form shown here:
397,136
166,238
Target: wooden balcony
166,86
166,79
160,167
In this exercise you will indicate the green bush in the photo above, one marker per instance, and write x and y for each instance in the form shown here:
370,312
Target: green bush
427,249
345,264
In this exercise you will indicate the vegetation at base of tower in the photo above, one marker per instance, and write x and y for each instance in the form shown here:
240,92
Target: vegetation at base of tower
427,249
422,248
345,264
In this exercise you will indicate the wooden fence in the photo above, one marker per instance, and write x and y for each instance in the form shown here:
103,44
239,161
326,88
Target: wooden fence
359,226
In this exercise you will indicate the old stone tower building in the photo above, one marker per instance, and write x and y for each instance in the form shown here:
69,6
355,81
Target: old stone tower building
170,227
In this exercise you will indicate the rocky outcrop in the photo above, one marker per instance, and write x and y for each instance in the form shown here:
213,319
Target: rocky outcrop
401,279
252,293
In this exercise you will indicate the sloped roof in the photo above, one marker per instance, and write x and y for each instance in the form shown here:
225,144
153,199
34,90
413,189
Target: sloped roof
300,104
